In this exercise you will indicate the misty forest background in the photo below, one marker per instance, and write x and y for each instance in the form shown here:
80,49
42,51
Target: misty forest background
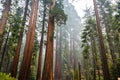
48,40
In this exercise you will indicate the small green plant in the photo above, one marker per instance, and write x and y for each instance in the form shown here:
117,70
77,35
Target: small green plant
5,76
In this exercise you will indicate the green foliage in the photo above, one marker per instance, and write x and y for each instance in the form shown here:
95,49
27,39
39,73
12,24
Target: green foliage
88,33
58,14
76,75
66,65
34,59
68,71
14,28
115,70
5,76
36,45
117,18
101,78
33,72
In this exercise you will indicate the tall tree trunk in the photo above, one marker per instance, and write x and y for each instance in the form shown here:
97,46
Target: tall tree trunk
87,69
99,77
4,20
57,52
8,64
41,45
25,66
95,43
94,66
48,64
4,50
58,59
94,57
103,54
71,53
71,49
16,57
79,68
74,56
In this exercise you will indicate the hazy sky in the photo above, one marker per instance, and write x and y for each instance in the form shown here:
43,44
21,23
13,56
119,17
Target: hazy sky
80,5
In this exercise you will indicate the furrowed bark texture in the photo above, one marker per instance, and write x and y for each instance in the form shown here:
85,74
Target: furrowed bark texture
48,64
25,66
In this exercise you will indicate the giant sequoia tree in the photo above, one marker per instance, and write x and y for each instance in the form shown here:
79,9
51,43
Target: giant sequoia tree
56,15
48,66
25,66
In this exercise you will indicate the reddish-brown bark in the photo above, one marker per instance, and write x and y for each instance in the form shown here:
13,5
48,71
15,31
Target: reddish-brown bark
25,66
48,64
16,57
4,20
106,74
